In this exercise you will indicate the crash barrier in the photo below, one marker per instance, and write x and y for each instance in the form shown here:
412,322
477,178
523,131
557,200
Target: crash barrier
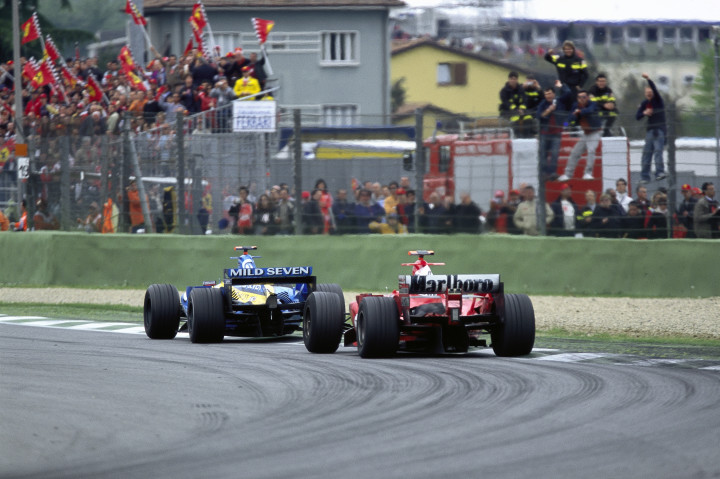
667,268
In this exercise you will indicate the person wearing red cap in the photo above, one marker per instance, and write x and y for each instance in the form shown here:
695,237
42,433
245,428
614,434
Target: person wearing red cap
246,85
566,212
685,210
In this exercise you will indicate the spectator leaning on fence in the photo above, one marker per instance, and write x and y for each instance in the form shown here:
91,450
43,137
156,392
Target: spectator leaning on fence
246,85
566,212
686,210
525,217
707,214
621,194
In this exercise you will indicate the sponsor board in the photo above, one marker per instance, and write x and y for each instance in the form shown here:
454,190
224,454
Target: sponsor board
272,272
466,283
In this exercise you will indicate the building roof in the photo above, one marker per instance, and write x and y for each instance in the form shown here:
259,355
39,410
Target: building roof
614,11
408,109
404,46
237,4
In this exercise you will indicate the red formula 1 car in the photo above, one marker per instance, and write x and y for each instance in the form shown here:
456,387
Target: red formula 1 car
441,313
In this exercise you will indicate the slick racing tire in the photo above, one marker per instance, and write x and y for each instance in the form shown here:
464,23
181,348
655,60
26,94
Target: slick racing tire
515,335
206,315
323,321
161,311
378,327
333,288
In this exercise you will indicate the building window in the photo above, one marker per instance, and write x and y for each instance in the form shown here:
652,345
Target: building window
444,163
686,34
635,34
668,35
599,35
652,34
339,115
339,48
452,74
616,35
703,34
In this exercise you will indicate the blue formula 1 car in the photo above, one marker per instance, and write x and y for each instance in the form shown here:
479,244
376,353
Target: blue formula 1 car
249,302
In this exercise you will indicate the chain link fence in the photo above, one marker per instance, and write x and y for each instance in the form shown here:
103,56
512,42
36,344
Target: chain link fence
206,174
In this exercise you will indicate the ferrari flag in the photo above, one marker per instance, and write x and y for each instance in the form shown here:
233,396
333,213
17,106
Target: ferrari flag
51,50
126,59
30,69
198,19
93,89
30,30
43,76
68,77
262,28
133,11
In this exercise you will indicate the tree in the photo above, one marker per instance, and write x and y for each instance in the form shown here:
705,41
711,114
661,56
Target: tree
704,84
62,37
397,94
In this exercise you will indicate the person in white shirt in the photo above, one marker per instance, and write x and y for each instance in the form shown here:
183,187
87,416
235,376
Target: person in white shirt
621,194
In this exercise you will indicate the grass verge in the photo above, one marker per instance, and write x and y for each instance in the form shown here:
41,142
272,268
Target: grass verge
88,312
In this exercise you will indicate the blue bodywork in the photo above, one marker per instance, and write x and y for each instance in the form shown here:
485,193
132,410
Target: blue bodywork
261,301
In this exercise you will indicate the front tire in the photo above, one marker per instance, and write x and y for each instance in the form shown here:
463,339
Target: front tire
515,336
323,321
378,327
161,311
206,315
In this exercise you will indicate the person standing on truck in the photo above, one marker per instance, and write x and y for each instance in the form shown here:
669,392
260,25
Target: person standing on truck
552,115
652,108
512,104
571,68
585,113
603,95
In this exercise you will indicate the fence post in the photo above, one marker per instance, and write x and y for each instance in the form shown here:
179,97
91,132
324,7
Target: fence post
540,212
180,142
672,173
297,162
65,220
419,167
130,145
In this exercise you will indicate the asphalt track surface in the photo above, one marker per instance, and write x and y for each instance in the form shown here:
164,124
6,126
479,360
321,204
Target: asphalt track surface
78,404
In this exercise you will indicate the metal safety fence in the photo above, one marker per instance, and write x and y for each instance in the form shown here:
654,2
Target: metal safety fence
212,174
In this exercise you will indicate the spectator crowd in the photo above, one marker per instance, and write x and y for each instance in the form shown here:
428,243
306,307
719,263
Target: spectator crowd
80,114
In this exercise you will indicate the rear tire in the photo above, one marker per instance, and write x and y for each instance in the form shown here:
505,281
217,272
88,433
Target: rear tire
206,315
161,311
333,288
378,327
516,335
323,321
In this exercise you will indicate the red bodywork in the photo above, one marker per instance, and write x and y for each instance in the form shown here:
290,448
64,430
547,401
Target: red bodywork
458,310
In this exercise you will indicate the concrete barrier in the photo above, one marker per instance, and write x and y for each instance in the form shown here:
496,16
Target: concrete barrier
666,268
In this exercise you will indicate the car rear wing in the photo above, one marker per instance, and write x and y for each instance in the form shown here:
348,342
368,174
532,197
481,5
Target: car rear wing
440,283
272,275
